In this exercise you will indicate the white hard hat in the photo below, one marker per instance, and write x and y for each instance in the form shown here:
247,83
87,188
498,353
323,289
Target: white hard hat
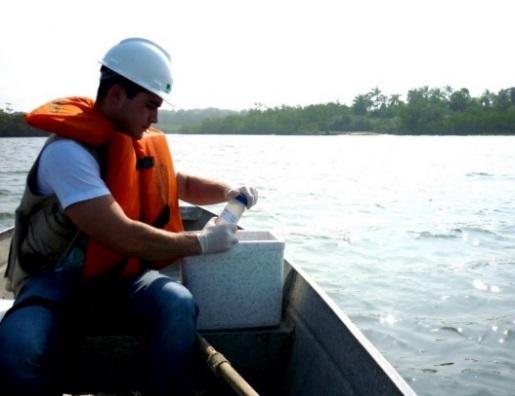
142,62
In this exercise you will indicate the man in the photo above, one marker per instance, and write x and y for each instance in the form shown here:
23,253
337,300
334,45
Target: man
99,215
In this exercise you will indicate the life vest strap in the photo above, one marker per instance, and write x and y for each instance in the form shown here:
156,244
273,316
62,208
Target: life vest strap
163,217
145,163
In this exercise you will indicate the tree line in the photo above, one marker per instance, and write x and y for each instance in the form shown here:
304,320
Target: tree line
424,111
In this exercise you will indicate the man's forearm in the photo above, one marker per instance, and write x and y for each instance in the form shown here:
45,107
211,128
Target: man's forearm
201,191
104,220
154,244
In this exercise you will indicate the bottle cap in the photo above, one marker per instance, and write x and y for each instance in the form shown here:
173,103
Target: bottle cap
242,198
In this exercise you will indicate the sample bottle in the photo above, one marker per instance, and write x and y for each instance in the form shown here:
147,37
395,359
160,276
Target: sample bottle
233,210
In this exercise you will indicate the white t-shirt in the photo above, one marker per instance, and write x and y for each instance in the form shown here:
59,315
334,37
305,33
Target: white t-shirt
71,172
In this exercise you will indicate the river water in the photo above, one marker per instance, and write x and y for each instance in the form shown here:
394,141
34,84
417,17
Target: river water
412,236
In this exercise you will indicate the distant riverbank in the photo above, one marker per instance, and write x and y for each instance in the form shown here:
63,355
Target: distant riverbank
426,111
13,125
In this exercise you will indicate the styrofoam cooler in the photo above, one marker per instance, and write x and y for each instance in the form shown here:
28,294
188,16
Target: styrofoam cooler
241,287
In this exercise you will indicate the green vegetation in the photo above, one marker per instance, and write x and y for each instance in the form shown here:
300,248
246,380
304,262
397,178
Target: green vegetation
425,111
13,125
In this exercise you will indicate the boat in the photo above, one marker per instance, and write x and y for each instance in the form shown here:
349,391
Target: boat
315,350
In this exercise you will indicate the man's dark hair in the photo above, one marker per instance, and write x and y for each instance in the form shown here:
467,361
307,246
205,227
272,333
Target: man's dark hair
108,78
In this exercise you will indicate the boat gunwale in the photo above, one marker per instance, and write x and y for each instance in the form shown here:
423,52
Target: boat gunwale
354,330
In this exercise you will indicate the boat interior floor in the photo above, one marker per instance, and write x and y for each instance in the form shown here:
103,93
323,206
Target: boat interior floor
112,363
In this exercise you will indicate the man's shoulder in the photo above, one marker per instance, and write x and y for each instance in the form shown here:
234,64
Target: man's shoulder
69,170
58,147
60,143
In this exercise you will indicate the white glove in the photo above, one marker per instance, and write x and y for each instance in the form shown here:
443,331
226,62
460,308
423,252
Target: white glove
217,237
249,192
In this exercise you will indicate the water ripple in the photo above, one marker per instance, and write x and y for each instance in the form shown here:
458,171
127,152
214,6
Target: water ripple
431,235
479,174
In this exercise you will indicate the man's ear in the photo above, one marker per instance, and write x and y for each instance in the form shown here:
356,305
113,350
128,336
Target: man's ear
116,95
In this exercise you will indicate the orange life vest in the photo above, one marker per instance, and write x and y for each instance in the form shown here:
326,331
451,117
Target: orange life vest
139,174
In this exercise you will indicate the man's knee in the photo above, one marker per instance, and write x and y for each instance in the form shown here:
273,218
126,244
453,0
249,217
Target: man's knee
166,303
177,300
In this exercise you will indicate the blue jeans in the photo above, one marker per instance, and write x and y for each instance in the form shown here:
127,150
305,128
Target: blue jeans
32,333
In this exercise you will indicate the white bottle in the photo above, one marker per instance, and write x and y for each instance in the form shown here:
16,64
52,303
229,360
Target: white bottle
233,210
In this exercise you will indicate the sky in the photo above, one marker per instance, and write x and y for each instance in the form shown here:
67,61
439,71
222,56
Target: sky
239,54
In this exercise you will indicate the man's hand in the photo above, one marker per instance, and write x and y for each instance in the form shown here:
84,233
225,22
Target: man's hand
216,238
249,192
